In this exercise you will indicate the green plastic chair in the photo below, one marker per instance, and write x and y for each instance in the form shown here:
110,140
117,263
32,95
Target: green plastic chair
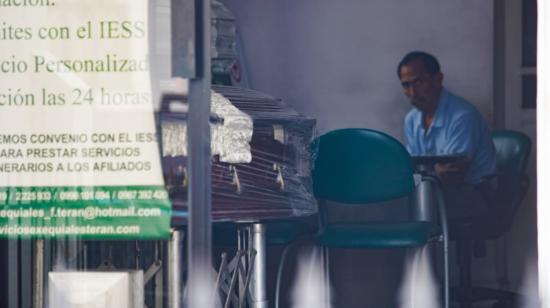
512,153
360,167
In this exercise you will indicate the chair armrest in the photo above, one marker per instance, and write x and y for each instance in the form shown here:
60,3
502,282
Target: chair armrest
442,211
441,207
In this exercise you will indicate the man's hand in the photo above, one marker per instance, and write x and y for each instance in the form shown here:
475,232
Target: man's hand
452,173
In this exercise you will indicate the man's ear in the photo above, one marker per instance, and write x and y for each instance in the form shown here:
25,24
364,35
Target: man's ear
439,78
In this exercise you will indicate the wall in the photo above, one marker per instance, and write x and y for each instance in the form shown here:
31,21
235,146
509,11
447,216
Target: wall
336,61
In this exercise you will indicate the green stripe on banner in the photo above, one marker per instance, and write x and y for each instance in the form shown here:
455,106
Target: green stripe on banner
99,212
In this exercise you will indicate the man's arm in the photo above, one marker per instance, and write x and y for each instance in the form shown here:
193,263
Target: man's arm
462,140
452,173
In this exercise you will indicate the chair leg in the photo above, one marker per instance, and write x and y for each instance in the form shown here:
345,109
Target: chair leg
465,274
444,227
420,253
446,282
326,276
280,274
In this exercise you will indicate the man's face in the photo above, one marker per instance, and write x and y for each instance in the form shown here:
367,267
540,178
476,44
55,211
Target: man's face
419,86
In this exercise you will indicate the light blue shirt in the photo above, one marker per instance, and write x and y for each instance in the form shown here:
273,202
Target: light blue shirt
457,128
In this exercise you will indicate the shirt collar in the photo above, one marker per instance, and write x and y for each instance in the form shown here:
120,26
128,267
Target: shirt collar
439,119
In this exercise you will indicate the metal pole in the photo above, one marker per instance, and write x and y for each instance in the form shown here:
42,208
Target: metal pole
38,296
199,250
258,287
13,273
174,269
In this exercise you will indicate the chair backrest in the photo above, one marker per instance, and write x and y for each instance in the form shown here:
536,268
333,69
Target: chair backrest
512,149
360,166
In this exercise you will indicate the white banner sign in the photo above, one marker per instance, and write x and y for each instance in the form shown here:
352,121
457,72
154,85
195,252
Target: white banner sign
76,108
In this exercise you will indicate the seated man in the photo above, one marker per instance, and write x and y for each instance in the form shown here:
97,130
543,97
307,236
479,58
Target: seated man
442,123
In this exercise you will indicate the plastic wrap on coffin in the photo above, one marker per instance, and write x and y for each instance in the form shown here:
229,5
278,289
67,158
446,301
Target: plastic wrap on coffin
276,181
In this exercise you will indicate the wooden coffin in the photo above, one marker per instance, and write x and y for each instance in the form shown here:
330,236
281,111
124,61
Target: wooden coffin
274,184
